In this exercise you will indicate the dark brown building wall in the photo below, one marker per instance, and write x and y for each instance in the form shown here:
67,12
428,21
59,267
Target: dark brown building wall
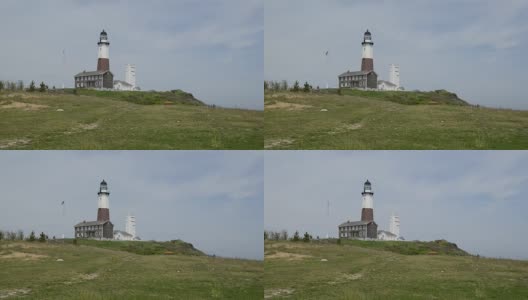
367,64
103,64
103,214
367,214
108,80
372,230
108,230
372,81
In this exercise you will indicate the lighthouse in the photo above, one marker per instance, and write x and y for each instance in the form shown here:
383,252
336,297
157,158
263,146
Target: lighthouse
367,62
103,208
103,61
367,210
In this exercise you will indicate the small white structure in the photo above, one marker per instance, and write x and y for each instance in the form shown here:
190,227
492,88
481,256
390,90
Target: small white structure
122,86
130,75
386,236
394,225
130,225
394,75
386,86
122,236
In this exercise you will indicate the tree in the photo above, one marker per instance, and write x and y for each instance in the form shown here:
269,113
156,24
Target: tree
306,237
20,235
1,235
296,236
32,236
1,85
265,232
32,86
284,85
306,88
296,86
42,237
20,85
266,85
284,235
43,87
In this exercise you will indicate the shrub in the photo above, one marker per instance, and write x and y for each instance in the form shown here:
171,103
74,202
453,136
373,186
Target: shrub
32,236
296,236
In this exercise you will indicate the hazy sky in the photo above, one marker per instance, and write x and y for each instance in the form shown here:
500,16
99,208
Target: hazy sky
213,49
476,199
475,48
212,199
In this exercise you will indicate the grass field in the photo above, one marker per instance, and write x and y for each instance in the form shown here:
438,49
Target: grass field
91,270
366,120
364,270
130,120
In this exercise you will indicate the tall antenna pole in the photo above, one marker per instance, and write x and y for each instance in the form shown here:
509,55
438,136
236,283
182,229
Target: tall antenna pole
63,66
327,215
326,66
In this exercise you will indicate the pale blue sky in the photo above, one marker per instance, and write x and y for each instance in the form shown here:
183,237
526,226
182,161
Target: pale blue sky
475,48
212,199
213,49
476,199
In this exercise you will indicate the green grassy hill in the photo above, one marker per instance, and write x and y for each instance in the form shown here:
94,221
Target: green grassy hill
98,120
356,119
388,270
114,270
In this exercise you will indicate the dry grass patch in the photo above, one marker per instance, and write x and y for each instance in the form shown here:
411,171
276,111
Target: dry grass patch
287,106
287,256
276,143
21,105
272,293
4,144
14,293
22,256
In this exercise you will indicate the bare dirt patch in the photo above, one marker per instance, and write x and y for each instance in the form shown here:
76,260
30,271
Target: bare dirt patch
82,127
343,278
287,256
12,143
82,277
21,105
276,143
346,127
287,106
22,256
271,293
13,293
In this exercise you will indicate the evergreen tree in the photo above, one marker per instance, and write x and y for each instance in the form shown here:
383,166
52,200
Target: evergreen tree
306,87
296,236
1,85
1,235
32,236
266,85
32,86
296,86
306,238
42,237
265,235
42,87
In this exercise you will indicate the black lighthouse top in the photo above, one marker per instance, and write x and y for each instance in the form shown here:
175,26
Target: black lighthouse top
367,187
367,38
103,38
103,188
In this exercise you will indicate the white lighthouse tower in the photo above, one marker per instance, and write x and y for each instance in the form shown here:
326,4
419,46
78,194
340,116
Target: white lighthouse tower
367,210
367,62
130,75
130,225
394,75
103,61
394,225
103,205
